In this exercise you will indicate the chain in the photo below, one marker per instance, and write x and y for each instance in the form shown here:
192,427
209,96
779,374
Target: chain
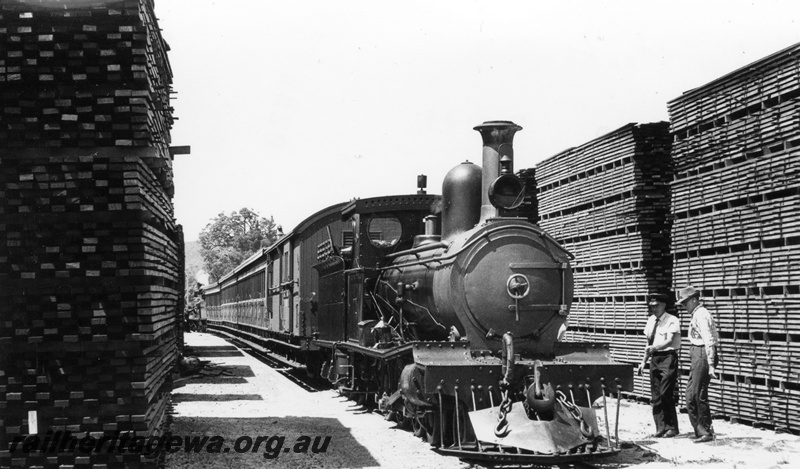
575,412
501,430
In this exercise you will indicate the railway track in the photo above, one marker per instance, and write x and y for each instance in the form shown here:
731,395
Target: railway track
296,375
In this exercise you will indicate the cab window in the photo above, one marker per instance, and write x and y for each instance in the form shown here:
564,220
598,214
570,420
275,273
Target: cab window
384,231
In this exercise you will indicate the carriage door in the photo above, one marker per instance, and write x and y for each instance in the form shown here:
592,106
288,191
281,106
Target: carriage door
296,321
274,301
286,290
355,302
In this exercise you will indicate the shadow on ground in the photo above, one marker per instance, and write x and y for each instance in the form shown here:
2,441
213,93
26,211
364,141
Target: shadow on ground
288,442
213,351
178,397
212,373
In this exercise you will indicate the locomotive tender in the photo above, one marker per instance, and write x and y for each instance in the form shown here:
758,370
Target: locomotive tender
444,312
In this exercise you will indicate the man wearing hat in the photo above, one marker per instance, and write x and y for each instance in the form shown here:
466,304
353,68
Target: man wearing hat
704,339
664,341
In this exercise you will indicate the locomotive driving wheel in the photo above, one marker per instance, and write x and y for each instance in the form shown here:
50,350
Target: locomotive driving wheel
421,422
433,430
461,428
403,419
441,432
448,426
417,428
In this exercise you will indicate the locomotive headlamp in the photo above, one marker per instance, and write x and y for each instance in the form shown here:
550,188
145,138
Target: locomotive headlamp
507,192
518,286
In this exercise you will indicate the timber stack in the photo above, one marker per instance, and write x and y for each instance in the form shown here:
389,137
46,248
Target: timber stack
736,232
607,202
90,276
529,209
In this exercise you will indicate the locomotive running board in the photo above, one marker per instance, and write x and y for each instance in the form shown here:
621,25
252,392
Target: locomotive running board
385,354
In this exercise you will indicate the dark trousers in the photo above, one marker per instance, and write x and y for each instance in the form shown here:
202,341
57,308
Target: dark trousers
663,381
697,393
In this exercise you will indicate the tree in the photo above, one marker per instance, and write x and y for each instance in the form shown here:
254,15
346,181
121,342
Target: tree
230,239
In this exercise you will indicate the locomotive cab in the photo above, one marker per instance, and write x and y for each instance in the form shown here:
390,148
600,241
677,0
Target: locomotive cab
380,227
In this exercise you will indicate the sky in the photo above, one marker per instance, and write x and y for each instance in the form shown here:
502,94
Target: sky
290,107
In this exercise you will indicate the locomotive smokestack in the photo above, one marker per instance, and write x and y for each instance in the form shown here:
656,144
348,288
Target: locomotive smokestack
498,137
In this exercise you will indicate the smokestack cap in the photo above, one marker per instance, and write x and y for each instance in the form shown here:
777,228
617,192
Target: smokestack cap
497,124
497,130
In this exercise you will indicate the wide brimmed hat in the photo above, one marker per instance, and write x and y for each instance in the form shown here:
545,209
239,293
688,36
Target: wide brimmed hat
655,298
685,293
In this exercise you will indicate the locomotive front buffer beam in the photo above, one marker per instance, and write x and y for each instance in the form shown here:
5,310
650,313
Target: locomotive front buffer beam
541,409
583,374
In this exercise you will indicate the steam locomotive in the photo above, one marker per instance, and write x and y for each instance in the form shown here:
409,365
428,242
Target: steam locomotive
443,312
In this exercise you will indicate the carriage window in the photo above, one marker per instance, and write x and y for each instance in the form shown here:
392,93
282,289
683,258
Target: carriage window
385,232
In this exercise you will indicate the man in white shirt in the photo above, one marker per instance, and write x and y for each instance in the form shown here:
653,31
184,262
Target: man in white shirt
704,338
664,341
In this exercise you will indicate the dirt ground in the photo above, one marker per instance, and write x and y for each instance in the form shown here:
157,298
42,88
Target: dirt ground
735,446
238,397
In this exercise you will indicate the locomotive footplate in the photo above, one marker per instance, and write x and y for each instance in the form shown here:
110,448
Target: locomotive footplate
542,411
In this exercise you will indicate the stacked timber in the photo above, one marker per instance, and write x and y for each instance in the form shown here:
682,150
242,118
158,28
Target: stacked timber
607,202
90,267
529,209
83,77
736,232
